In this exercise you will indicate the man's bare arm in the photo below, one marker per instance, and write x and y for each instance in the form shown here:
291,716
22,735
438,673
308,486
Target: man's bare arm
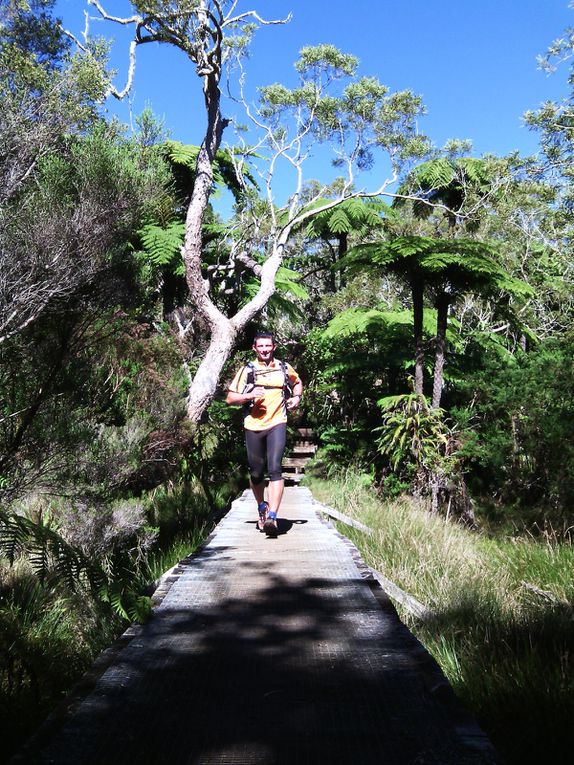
242,398
295,396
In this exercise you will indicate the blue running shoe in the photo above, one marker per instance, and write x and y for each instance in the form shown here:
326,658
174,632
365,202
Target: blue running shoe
270,525
262,509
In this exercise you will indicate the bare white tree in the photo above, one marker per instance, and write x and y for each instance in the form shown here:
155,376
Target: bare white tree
353,117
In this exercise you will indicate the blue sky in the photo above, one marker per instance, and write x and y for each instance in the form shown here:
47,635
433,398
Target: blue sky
474,63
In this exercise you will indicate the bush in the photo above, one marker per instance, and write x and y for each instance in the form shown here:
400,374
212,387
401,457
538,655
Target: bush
520,451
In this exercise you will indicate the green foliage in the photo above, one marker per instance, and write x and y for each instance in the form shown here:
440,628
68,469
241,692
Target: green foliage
30,28
411,432
519,448
453,265
356,321
111,576
286,301
553,122
47,639
162,245
229,171
438,175
346,373
318,59
452,182
351,215
357,117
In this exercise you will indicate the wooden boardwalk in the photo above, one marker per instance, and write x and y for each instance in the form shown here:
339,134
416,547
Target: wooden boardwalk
270,651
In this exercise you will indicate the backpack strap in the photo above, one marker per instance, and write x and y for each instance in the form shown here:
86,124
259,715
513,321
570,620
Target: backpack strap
287,387
251,375
249,385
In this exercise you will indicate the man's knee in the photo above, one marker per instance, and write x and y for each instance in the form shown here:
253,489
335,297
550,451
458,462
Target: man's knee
275,475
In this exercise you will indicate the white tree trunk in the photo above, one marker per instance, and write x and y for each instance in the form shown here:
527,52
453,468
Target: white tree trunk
204,383
223,333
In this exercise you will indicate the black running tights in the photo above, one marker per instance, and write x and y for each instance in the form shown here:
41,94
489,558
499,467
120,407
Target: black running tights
266,442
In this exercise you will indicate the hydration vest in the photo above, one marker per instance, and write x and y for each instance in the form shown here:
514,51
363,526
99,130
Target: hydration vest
250,383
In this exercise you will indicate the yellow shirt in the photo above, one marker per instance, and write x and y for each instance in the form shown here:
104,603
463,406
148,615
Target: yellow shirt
269,410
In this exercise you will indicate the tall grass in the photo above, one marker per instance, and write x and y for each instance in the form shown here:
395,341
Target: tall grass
503,624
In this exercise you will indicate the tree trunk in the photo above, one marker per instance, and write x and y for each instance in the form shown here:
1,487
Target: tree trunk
442,304
204,383
343,246
224,331
417,294
202,188
221,332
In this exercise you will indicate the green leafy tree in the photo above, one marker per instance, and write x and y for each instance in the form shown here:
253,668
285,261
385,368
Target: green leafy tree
554,122
358,358
335,226
29,34
518,451
453,185
447,269
72,192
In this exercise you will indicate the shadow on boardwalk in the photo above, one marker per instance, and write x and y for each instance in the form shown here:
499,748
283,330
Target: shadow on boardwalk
284,671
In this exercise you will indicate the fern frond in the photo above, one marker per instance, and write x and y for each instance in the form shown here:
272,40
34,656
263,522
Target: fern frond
111,578
163,244
288,281
339,222
225,169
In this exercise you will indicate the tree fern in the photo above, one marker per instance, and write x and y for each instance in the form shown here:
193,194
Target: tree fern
281,302
355,321
445,269
225,169
162,245
288,281
458,265
348,216
437,176
446,181
113,578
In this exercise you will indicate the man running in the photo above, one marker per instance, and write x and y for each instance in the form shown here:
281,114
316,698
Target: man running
267,388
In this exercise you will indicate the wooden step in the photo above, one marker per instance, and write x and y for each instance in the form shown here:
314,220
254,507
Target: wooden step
299,448
307,433
293,477
295,462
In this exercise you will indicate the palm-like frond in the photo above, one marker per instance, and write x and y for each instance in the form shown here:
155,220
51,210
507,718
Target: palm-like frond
225,169
349,215
357,321
446,181
289,281
112,578
410,431
438,175
460,264
162,244
281,302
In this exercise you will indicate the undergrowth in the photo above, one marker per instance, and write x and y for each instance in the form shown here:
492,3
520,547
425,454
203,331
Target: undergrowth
50,632
502,628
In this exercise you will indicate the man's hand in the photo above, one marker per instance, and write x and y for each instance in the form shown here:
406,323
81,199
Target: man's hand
293,402
258,392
